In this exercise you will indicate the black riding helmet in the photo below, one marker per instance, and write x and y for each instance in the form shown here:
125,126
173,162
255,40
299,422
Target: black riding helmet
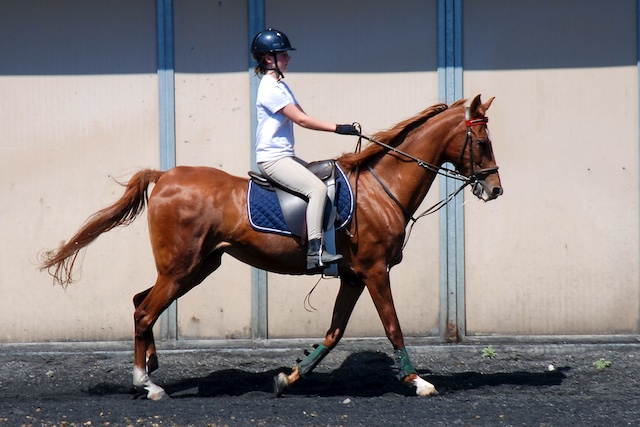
269,41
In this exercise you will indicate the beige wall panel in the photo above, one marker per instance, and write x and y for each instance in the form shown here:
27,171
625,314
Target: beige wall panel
323,96
66,132
60,171
415,282
213,129
558,252
212,85
346,70
212,121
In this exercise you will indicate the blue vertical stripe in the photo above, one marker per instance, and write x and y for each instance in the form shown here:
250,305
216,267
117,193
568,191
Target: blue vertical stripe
259,318
638,71
450,88
164,19
164,36
256,24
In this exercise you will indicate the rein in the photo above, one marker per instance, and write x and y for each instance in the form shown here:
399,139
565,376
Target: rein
473,179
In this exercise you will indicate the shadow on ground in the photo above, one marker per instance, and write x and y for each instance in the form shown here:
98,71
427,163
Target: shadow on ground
472,380
363,374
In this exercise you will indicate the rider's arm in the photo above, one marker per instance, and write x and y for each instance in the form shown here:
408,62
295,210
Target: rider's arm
294,113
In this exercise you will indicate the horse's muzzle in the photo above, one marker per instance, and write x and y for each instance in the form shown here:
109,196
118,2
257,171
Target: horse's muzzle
485,191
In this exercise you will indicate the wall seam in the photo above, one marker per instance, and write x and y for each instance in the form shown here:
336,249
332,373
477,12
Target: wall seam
450,88
259,278
167,121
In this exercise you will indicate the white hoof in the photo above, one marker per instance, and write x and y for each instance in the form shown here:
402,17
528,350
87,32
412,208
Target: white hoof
156,393
424,388
141,380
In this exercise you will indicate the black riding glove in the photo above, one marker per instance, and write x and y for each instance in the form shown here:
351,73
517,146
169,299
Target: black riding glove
347,130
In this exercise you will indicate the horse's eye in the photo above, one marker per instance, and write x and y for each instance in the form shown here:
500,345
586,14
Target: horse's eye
482,143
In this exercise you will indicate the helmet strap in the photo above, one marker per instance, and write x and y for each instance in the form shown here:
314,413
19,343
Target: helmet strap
276,68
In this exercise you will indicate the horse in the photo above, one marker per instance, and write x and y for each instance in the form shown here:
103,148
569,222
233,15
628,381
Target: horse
197,214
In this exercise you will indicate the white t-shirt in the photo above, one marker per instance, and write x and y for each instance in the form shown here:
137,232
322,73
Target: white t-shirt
274,135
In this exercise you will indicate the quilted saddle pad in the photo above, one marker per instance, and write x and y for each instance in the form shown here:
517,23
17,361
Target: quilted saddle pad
265,213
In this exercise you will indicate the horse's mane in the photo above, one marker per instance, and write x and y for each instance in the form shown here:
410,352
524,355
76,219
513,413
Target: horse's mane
393,136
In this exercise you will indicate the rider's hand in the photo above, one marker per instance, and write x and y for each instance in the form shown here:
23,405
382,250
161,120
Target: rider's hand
347,130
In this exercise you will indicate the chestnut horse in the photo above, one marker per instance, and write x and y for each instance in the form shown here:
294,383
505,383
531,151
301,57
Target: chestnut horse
197,214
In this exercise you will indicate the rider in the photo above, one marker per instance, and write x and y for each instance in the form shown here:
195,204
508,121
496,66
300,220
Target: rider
277,111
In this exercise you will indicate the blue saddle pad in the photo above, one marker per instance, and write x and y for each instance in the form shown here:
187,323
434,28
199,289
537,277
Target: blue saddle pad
265,213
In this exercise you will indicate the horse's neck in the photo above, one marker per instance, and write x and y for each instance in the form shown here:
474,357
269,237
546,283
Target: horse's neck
407,179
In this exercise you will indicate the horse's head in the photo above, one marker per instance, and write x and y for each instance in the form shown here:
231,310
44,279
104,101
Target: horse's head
475,159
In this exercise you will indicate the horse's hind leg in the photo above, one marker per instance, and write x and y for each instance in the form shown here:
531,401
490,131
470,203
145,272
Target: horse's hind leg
157,299
161,295
345,302
151,355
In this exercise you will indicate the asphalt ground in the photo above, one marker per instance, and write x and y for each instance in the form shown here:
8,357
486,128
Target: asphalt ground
227,384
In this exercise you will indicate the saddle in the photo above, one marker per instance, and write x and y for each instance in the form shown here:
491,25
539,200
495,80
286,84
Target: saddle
275,209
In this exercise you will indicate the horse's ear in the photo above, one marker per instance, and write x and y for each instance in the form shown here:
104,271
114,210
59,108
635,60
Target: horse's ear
486,105
478,109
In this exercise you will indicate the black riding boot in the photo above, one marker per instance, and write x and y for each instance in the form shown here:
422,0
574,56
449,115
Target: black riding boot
317,257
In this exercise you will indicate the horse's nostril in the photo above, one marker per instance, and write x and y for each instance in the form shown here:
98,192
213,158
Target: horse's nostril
497,191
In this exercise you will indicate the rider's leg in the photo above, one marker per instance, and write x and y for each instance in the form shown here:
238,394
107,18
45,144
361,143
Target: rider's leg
291,173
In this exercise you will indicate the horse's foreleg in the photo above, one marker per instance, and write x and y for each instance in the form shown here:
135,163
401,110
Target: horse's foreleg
150,351
380,291
345,302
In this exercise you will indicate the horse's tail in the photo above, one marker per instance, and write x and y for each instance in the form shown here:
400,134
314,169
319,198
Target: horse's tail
60,262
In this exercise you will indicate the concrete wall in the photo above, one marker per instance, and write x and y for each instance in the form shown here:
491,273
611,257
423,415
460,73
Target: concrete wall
79,109
558,253
346,68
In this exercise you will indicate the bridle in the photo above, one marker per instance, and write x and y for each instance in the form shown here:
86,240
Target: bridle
474,179
480,174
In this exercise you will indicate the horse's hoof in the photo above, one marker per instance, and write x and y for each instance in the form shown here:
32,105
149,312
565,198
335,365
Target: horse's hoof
427,390
423,388
280,383
151,393
157,395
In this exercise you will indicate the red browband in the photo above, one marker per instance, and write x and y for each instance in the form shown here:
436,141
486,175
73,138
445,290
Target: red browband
476,122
